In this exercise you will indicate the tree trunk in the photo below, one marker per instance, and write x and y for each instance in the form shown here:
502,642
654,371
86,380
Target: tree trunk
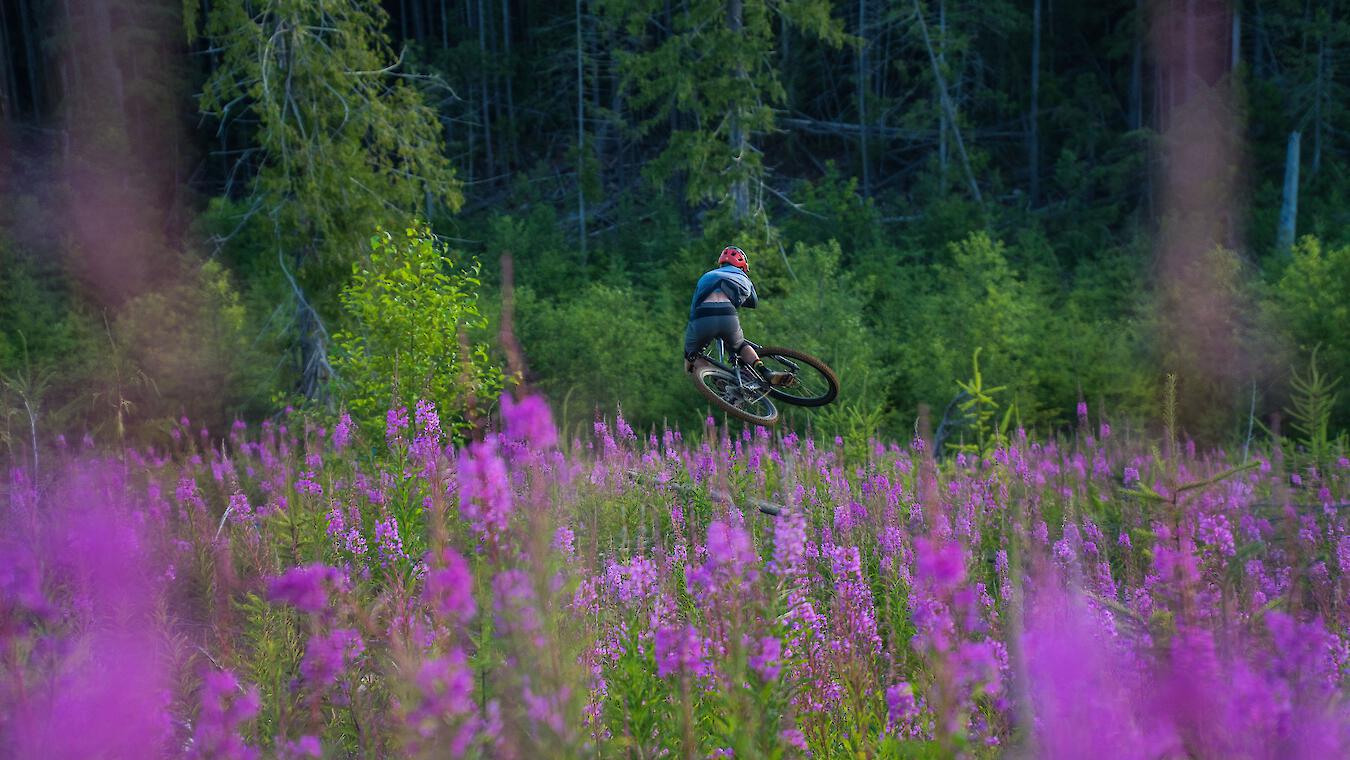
942,114
1235,45
106,61
486,110
581,140
419,22
1136,117
30,33
1319,96
597,105
445,26
510,76
740,188
10,93
618,154
1188,71
862,98
1284,240
947,106
1033,139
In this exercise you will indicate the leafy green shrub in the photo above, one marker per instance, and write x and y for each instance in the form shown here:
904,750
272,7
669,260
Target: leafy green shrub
43,350
1310,302
1205,333
821,312
1048,341
973,300
408,305
184,350
605,345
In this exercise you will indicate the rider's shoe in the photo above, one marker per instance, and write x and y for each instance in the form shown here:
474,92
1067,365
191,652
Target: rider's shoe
776,379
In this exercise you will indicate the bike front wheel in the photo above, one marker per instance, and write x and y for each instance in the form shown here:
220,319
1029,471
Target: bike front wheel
746,401
813,383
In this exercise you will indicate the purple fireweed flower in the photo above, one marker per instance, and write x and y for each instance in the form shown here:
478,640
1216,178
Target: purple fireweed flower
336,521
303,587
1081,690
901,709
633,582
449,587
484,489
388,542
789,544
529,420
546,710
426,445
305,746
731,562
428,422
855,616
767,660
225,706
941,564
729,546
307,483
1303,652
564,540
342,432
514,604
445,699
395,422
1082,413
1216,531
327,656
1131,476
187,493
979,664
622,427
239,508
680,649
794,738
83,670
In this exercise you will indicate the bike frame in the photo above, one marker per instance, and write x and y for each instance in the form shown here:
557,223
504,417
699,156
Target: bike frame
735,367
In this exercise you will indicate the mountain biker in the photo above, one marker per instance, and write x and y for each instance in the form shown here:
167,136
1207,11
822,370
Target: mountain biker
712,314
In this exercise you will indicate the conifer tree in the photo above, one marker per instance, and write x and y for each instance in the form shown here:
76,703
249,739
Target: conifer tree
712,73
340,143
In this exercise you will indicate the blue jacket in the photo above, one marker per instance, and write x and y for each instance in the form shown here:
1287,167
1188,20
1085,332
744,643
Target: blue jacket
731,281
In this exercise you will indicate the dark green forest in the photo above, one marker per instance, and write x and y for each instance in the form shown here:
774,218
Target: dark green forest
214,209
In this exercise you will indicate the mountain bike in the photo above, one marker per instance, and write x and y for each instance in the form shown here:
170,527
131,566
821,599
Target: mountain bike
737,389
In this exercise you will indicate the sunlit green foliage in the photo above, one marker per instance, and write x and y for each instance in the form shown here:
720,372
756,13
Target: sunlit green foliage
411,307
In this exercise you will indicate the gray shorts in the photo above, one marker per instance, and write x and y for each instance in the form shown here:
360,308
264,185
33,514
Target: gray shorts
712,321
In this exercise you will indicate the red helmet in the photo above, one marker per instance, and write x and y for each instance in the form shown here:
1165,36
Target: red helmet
735,257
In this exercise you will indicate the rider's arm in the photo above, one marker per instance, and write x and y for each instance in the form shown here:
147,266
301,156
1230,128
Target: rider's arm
752,299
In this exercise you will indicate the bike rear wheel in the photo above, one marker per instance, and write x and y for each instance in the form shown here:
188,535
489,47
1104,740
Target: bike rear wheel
813,383
749,401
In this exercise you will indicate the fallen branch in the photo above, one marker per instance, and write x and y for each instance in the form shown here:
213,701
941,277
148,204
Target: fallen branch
767,507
